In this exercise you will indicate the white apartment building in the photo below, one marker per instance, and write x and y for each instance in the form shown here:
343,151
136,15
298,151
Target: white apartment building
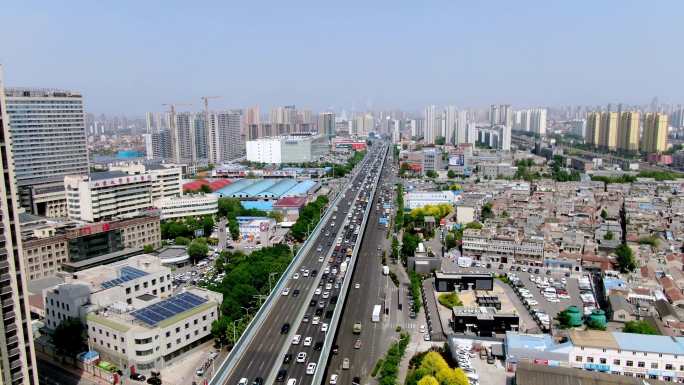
131,314
418,199
166,179
503,247
187,205
106,195
287,149
629,354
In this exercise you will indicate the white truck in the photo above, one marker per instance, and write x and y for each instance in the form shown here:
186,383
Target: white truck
375,317
385,270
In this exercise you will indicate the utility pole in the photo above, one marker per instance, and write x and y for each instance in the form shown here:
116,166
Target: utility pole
212,143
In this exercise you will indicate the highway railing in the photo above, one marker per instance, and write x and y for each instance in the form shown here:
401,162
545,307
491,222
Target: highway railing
330,334
248,334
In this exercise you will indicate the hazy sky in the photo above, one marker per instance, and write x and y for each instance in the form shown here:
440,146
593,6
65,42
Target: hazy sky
128,57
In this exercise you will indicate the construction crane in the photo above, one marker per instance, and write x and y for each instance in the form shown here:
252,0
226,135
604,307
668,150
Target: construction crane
210,138
172,106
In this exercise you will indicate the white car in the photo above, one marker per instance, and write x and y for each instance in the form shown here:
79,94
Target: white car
328,286
326,294
324,328
296,339
286,291
422,328
311,368
307,341
357,285
426,337
532,302
301,357
243,381
295,276
333,379
315,320
317,291
321,258
305,273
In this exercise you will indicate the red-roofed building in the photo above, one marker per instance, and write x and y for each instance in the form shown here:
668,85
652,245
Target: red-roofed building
290,207
196,185
219,184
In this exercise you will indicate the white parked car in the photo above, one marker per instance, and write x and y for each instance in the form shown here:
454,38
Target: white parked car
317,291
333,379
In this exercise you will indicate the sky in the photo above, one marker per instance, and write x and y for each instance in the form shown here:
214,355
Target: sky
129,57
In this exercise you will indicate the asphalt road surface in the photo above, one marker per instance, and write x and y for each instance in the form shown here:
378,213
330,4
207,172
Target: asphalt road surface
263,353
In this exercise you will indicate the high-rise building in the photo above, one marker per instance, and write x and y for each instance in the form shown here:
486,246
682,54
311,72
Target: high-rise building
450,122
203,136
48,134
608,134
677,117
17,355
252,116
593,130
228,128
461,133
538,121
629,131
326,124
655,133
505,137
185,150
161,145
431,126
500,114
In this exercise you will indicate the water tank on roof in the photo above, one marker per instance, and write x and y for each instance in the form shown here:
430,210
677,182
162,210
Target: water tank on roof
575,316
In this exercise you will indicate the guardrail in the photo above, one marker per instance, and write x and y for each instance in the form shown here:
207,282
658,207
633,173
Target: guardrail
248,334
330,334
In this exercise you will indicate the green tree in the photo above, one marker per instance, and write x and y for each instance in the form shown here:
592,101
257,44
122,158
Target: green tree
450,241
486,212
409,244
440,140
276,215
431,174
640,327
449,300
148,249
205,189
625,258
198,249
207,225
563,319
451,174
234,228
69,337
609,236
182,241
604,214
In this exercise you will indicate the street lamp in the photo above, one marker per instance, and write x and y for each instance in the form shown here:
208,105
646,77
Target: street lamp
270,286
247,309
234,333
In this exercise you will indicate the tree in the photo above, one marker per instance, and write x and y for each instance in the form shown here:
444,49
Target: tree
639,327
609,236
198,249
440,140
207,225
182,241
148,249
431,174
449,376
205,189
486,212
625,258
604,214
277,216
449,300
433,362
451,174
428,380
69,337
234,228
450,241
563,319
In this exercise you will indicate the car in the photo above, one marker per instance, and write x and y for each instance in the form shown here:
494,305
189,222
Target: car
426,337
321,304
311,368
345,363
318,346
356,381
319,312
137,377
280,377
295,276
324,328
243,381
321,258
326,294
317,291
258,381
333,379
295,293
357,285
154,381
422,328
306,318
285,328
319,248
292,381
301,357
307,341
287,358
314,273
286,291
296,339
312,303
357,343
315,320
199,372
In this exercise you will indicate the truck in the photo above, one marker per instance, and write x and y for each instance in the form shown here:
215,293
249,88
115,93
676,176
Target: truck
375,317
385,270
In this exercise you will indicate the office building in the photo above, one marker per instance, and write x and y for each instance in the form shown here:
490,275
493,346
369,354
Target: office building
287,149
501,114
107,195
17,356
629,131
166,178
432,125
655,133
593,129
48,245
48,134
429,159
187,205
132,316
608,134
326,124
228,125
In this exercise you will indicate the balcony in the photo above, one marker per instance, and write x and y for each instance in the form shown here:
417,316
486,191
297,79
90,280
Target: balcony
13,352
8,315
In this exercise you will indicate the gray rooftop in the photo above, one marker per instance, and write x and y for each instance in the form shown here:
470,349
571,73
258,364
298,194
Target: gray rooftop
107,175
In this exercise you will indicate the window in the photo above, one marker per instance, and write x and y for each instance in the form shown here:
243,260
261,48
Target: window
178,340
616,362
144,352
630,363
154,281
187,325
187,337
196,332
178,330
204,328
669,367
641,364
145,284
590,359
168,334
654,365
602,360
204,317
168,346
137,287
140,341
128,290
195,322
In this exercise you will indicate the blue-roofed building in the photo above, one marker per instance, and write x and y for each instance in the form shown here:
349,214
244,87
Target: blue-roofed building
235,187
278,189
131,312
612,285
258,205
303,188
256,188
535,347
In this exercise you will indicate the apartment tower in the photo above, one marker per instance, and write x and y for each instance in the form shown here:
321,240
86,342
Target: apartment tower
655,133
593,130
608,134
629,131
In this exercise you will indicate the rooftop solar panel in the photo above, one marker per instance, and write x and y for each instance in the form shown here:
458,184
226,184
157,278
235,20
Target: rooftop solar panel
155,313
126,273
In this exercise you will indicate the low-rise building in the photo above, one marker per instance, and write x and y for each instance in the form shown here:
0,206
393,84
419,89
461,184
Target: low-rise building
289,207
131,314
189,205
256,229
416,199
503,246
287,149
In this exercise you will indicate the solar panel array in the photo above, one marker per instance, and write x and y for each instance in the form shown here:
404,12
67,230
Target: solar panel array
156,313
126,274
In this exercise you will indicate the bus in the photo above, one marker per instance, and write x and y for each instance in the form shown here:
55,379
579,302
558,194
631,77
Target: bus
376,313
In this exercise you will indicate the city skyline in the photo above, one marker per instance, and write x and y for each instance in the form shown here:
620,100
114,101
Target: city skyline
130,62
